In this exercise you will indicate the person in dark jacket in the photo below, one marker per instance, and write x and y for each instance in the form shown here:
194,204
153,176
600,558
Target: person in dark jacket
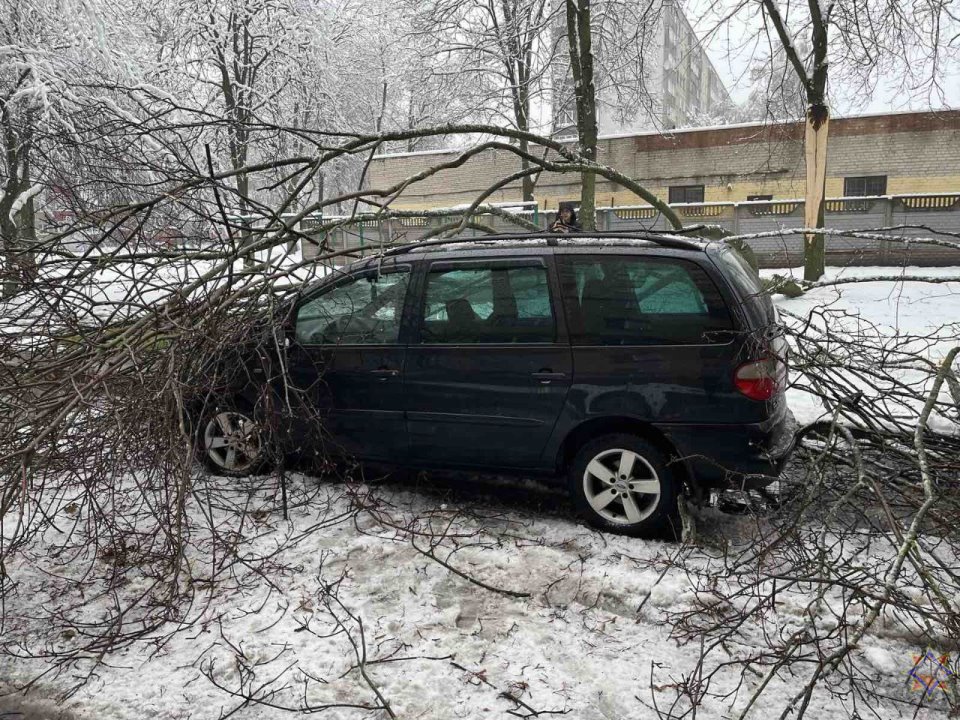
566,221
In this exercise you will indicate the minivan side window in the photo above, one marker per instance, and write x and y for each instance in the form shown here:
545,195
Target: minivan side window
488,305
365,310
622,300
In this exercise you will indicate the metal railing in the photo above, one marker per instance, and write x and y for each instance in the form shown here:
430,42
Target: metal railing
916,215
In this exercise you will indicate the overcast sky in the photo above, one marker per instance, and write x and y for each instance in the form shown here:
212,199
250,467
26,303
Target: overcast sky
730,52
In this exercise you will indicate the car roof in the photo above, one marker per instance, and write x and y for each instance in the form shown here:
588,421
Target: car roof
520,244
525,244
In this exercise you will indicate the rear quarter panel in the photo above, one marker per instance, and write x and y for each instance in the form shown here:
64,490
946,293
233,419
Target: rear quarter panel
666,385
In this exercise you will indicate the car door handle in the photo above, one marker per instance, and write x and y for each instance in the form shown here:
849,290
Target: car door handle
547,376
384,373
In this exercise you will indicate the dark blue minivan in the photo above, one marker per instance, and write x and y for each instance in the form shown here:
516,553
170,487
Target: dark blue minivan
635,366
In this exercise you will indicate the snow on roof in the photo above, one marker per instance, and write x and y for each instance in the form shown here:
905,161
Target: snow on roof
680,131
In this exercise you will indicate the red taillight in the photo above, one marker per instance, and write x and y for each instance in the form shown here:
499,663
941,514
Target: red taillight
761,379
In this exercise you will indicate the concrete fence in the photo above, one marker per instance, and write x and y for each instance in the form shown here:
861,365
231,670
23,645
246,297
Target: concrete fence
920,215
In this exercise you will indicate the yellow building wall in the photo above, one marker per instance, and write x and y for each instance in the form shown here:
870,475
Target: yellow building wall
792,189
919,153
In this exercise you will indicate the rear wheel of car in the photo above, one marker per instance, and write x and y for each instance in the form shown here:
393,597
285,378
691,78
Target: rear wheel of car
622,483
232,441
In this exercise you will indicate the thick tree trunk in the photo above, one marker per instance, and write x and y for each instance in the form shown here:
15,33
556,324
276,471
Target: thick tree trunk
27,228
18,235
815,152
817,124
581,64
527,181
13,143
246,236
8,233
18,240
521,109
517,64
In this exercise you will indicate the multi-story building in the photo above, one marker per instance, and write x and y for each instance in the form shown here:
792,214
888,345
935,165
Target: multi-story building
677,85
691,89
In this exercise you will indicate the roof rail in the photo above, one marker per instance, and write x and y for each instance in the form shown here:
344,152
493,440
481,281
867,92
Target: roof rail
677,243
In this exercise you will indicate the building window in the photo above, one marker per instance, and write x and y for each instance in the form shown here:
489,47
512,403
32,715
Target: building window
868,185
686,194
759,197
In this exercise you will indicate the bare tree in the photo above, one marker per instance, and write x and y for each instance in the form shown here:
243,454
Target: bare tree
835,48
241,44
858,536
17,125
580,47
116,356
501,53
527,56
777,93
814,81
612,56
110,365
28,76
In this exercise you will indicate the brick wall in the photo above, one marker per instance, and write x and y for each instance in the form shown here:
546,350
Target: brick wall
919,152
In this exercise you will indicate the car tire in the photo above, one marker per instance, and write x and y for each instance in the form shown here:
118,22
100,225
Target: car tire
231,440
623,484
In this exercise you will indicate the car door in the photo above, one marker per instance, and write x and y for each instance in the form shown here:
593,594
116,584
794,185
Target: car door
347,362
490,368
651,339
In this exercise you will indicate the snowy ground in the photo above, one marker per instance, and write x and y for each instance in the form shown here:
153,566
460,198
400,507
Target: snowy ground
100,288
894,308
590,639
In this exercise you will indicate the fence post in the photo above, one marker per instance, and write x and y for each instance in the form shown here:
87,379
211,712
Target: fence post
886,247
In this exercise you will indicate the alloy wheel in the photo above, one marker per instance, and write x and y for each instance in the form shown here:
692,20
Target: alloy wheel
232,441
621,486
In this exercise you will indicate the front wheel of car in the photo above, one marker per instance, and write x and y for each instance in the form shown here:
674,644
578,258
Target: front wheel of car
232,441
623,483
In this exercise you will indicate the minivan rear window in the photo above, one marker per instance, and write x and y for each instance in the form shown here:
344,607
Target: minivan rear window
624,300
747,283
